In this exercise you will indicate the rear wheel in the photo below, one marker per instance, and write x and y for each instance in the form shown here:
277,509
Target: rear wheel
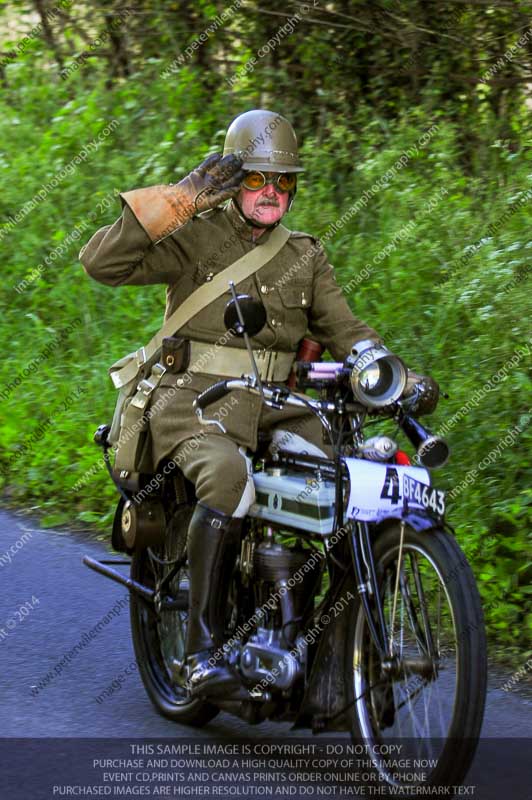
159,633
431,693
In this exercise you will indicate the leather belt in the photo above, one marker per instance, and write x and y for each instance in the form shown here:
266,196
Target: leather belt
233,362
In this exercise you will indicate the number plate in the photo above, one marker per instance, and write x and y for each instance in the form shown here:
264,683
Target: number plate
379,491
423,496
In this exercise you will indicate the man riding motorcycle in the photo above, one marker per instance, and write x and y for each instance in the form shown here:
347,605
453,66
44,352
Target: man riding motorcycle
183,235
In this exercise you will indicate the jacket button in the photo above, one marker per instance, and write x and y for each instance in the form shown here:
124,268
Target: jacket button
264,289
274,322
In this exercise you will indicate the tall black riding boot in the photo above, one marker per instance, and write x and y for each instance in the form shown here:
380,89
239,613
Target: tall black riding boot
212,547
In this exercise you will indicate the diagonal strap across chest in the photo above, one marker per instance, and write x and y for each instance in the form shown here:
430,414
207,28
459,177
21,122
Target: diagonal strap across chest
238,271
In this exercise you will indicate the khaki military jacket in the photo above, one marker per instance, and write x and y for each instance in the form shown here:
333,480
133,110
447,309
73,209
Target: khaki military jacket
300,301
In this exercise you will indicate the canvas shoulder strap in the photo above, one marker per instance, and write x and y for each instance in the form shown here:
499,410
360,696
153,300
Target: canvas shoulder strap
238,271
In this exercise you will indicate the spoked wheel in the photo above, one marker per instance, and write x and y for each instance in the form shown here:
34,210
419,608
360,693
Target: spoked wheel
429,697
159,633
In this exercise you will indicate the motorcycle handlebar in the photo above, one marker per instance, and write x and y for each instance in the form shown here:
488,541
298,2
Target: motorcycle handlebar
212,394
317,370
221,388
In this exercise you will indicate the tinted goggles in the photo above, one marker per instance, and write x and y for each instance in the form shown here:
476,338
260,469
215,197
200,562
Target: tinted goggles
283,181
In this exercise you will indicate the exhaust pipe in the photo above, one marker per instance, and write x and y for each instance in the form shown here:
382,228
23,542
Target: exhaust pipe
180,603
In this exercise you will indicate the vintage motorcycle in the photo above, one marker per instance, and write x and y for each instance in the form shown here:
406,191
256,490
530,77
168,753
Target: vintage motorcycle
351,606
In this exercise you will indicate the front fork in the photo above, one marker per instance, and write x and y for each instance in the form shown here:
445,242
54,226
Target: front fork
367,587
381,634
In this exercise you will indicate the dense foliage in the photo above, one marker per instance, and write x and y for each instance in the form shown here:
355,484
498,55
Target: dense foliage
392,111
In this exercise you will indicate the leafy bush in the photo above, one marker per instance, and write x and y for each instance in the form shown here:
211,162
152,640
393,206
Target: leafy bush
456,313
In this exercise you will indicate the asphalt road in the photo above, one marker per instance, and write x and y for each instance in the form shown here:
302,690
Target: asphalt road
49,599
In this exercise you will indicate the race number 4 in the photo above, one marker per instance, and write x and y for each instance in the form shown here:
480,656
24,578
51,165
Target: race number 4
390,489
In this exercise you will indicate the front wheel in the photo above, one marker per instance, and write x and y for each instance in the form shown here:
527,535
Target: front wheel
429,695
159,633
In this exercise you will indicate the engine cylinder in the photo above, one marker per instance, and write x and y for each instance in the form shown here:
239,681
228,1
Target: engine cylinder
275,562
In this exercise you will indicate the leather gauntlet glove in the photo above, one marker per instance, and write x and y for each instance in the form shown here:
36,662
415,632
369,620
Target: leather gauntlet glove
421,394
162,209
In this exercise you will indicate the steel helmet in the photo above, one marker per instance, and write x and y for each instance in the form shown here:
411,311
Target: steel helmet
264,140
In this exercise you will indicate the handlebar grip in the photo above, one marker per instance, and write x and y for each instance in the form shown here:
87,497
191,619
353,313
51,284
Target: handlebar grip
211,395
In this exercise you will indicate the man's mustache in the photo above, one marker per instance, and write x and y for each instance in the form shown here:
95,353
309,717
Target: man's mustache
272,202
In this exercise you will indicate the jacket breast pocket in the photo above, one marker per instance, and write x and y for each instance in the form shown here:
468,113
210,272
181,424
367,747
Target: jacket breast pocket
296,296
294,302
203,271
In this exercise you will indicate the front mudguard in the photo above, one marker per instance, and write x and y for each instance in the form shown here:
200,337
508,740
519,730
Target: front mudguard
418,520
